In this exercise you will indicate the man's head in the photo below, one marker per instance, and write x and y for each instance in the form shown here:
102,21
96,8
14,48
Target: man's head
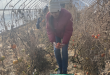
54,8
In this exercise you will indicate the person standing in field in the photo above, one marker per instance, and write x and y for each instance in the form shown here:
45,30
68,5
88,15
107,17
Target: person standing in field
59,28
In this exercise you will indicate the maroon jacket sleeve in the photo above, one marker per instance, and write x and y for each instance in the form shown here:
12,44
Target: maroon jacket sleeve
68,30
50,33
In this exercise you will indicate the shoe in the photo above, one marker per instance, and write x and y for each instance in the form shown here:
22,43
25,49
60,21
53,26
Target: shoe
59,71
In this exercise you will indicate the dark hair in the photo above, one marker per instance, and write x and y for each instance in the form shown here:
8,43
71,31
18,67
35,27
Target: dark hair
51,18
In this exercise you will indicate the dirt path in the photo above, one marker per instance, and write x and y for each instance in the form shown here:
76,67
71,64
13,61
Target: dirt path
71,69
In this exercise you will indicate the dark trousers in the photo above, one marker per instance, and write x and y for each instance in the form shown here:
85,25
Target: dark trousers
62,61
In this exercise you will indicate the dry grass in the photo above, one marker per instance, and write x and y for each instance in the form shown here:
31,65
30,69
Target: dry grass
92,21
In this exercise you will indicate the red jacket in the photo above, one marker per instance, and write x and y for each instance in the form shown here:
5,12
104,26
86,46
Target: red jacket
63,26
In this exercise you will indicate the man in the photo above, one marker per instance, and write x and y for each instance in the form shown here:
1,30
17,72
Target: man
59,27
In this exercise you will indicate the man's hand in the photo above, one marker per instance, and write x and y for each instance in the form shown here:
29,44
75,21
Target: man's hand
58,45
61,45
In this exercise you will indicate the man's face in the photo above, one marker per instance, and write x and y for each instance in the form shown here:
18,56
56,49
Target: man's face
55,14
